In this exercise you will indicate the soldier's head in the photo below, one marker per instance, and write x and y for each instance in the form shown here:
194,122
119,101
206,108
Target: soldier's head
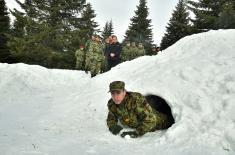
117,90
133,44
93,37
97,38
110,39
128,43
140,45
107,40
154,48
158,49
81,47
114,38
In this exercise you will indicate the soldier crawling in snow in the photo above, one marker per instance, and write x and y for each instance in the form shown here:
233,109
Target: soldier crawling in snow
132,110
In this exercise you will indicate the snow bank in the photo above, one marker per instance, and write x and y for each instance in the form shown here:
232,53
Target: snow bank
63,112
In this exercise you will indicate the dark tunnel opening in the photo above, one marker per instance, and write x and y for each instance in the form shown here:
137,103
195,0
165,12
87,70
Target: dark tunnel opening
160,104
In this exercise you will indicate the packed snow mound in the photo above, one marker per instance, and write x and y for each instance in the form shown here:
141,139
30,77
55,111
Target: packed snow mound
46,111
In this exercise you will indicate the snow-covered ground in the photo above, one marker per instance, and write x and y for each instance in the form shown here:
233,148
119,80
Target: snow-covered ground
60,112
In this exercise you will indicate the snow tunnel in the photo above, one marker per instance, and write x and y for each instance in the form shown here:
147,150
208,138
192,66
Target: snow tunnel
160,105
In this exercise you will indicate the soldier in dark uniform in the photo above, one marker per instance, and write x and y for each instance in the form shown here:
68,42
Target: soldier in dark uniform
132,110
114,52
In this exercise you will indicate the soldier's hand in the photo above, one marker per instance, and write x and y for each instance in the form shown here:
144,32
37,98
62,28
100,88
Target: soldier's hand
115,129
132,134
112,54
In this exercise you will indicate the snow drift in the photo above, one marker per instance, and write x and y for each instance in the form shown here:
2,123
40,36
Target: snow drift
63,112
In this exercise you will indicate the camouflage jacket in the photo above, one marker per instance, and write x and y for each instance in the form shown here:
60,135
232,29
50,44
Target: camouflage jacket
134,112
80,54
141,51
126,54
94,51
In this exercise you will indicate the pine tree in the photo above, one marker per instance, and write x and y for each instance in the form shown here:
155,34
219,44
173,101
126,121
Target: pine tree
19,24
88,24
178,26
140,29
108,29
111,27
207,13
4,30
226,18
50,31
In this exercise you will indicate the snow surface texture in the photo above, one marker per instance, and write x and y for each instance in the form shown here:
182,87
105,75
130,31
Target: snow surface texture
60,112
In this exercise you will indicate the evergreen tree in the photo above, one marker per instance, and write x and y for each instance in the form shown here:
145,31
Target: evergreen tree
226,18
4,30
88,23
108,29
111,27
50,31
19,24
178,26
140,29
207,13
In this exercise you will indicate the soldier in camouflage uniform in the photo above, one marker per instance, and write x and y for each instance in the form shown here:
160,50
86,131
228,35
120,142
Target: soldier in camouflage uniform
94,56
126,52
141,50
134,50
132,110
80,58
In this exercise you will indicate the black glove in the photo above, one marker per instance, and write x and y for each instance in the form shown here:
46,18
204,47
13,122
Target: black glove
115,129
132,134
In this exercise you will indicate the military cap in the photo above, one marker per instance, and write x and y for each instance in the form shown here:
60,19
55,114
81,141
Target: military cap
116,85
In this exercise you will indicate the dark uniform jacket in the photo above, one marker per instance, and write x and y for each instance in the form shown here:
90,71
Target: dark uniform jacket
116,49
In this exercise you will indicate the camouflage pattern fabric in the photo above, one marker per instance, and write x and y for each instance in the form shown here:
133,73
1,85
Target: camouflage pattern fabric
94,58
134,52
116,85
141,51
135,112
126,54
104,61
80,59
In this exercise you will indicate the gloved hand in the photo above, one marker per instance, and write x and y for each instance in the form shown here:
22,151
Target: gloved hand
115,129
132,134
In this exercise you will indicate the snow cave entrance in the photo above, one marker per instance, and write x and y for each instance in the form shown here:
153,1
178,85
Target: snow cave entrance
160,105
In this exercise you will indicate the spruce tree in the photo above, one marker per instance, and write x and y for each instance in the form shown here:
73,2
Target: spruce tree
108,29
178,26
18,24
50,32
226,18
111,27
207,13
140,29
89,26
4,30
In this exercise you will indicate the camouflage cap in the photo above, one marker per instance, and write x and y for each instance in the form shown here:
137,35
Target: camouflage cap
116,85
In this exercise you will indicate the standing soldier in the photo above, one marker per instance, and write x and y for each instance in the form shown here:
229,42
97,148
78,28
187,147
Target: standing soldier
114,53
108,42
134,50
80,58
141,50
154,50
126,52
94,56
